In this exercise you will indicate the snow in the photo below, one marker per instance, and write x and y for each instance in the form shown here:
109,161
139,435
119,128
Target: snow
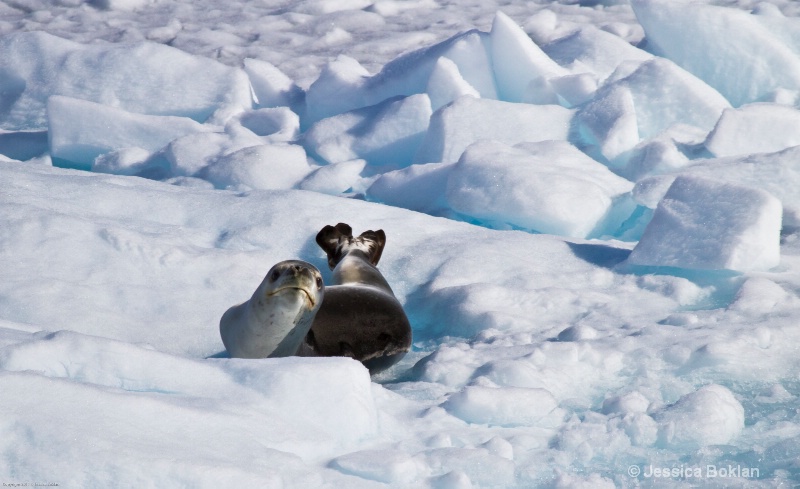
384,134
517,61
710,415
549,187
738,228
81,131
645,104
730,49
469,119
592,224
168,81
778,127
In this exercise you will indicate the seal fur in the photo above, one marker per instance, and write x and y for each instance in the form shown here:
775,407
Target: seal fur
360,316
277,318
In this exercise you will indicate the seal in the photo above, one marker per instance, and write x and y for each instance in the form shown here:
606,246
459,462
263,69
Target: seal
277,318
360,316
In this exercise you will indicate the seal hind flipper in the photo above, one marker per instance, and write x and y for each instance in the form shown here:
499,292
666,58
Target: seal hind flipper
360,316
379,239
329,239
337,241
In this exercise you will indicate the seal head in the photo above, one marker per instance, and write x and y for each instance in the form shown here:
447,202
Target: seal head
276,319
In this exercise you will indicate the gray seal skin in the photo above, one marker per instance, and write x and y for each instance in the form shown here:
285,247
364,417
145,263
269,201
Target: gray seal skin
360,317
277,318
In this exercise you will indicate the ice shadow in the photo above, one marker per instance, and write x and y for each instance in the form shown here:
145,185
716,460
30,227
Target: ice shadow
598,254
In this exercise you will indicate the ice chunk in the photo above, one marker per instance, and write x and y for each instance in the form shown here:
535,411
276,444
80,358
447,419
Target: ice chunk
730,49
347,412
338,89
768,128
509,406
188,155
595,50
632,402
274,125
656,96
463,467
345,85
145,78
759,295
271,86
418,187
665,94
517,60
550,187
80,131
271,166
668,152
609,122
446,84
123,5
335,178
385,134
389,466
467,120
777,173
321,7
709,416
125,161
708,224
573,90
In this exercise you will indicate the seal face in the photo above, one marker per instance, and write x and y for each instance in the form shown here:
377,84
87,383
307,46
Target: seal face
360,317
276,319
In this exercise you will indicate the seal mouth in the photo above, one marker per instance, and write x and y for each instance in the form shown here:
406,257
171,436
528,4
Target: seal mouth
309,297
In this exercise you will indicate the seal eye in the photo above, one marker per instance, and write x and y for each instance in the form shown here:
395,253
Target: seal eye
319,282
274,275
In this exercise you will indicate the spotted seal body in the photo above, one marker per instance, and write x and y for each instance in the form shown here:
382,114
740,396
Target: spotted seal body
277,318
360,317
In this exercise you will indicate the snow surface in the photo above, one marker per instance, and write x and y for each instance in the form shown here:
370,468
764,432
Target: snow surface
592,216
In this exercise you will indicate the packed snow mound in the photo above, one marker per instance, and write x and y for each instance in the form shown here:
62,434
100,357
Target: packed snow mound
744,57
271,87
468,120
549,187
709,416
265,166
520,66
655,97
595,51
81,131
417,187
777,173
446,84
769,127
345,85
145,78
112,390
512,406
707,224
386,134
